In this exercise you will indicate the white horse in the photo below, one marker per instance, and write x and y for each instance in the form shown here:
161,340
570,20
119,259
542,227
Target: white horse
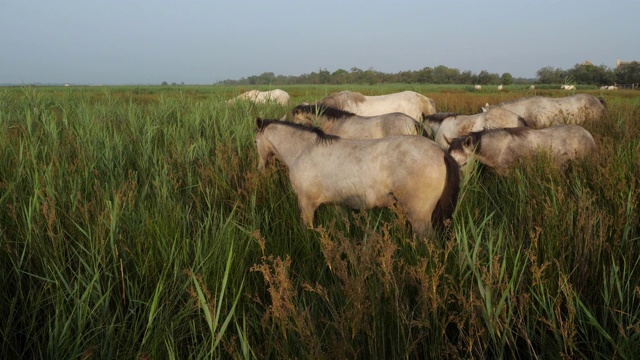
407,102
502,149
568,87
351,126
262,97
542,111
410,171
448,126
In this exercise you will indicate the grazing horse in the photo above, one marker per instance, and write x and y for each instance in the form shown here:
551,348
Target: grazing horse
447,126
502,149
407,102
351,126
540,111
410,171
262,97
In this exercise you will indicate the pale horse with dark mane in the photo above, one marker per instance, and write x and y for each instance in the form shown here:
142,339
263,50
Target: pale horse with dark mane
349,125
262,97
412,172
448,126
540,111
408,102
503,149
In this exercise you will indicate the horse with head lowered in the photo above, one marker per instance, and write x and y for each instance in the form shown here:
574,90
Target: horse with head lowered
413,172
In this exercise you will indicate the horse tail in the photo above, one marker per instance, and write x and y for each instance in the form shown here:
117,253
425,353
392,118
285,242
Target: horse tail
446,205
522,122
604,103
420,129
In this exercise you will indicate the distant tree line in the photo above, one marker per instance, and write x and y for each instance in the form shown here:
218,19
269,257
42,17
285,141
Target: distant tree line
591,75
437,75
579,74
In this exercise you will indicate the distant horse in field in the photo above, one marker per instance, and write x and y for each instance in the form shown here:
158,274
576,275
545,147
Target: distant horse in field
568,87
349,125
540,111
447,126
262,97
410,171
502,149
407,102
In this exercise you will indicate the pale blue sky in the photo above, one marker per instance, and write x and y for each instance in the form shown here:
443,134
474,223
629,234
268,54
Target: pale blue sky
201,42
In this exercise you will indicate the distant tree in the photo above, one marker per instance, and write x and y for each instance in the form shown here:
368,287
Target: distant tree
486,78
423,76
550,75
340,76
467,77
164,83
591,75
628,73
506,79
444,75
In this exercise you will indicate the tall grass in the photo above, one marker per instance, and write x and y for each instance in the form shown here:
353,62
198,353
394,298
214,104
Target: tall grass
134,224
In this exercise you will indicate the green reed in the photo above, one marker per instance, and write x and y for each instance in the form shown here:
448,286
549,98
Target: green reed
134,224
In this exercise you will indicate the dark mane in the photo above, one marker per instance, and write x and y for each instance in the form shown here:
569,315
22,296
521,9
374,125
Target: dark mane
329,112
322,137
438,117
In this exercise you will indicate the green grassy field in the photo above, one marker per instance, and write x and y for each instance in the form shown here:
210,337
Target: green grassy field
134,224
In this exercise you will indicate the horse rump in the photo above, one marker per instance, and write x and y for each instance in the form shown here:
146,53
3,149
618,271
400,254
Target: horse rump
446,205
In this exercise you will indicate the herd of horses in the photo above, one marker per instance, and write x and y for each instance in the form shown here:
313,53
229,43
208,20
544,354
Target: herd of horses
375,151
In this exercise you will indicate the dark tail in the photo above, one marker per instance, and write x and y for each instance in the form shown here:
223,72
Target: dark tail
449,198
522,122
420,129
604,103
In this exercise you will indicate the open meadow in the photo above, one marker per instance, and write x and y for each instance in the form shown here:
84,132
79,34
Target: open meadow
134,224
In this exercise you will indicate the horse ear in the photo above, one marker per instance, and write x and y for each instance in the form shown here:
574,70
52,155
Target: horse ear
468,142
259,122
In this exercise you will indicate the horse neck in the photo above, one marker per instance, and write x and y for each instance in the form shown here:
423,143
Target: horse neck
287,142
493,146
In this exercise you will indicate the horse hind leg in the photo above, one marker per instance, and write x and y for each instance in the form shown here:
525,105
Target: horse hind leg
307,209
418,213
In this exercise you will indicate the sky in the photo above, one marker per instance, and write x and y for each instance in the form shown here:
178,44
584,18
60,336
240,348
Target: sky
143,42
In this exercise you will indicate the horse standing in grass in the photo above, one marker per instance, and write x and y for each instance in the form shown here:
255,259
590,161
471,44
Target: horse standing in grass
349,125
448,126
262,97
502,149
410,171
407,102
540,111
